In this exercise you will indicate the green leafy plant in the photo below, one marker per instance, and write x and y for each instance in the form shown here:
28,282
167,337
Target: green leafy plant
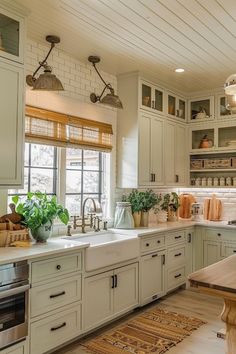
135,199
168,200
39,209
174,201
149,200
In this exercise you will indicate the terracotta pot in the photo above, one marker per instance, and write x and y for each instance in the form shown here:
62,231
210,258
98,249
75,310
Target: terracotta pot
144,218
137,218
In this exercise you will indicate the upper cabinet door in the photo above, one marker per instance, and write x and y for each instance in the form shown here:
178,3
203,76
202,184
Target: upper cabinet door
157,159
201,109
176,107
11,122
151,97
180,155
11,36
144,161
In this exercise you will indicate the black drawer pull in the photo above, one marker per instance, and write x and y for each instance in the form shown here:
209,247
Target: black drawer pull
178,254
147,244
56,295
154,255
112,281
178,275
58,327
58,267
177,237
234,251
158,241
219,234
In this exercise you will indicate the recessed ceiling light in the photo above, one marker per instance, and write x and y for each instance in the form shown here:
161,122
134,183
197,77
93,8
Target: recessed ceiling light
179,70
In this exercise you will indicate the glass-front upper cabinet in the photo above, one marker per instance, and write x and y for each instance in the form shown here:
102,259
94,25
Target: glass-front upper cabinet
201,109
223,112
151,97
11,36
176,107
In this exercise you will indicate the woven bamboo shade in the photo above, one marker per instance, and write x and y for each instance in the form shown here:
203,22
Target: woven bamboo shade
52,128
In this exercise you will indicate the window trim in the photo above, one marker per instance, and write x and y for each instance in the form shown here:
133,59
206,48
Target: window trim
59,175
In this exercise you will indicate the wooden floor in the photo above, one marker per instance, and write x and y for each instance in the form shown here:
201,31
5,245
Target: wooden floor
202,341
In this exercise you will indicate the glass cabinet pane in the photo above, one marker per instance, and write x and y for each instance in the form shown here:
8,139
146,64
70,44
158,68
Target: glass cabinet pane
223,110
200,109
146,95
181,111
227,137
9,35
203,139
158,100
171,105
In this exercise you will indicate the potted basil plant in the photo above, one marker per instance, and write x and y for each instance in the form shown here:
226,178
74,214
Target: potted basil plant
39,211
135,199
149,201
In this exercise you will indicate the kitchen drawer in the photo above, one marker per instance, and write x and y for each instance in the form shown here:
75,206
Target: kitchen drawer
45,298
176,277
228,249
14,350
53,267
219,235
153,242
55,330
175,237
176,256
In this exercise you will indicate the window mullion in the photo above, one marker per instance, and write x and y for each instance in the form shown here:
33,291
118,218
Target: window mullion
61,183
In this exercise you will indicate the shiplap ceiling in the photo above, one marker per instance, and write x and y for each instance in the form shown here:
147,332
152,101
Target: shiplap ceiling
153,36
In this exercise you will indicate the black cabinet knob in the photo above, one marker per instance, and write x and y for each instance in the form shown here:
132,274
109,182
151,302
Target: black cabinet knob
58,267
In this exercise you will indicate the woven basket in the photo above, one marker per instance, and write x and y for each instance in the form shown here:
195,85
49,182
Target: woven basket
7,237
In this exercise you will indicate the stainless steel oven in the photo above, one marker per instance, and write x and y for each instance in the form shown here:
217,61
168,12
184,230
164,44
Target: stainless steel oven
14,289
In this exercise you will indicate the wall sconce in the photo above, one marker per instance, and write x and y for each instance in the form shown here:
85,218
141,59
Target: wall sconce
46,81
110,99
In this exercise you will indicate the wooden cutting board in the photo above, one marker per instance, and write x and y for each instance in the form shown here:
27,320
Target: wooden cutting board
186,200
212,209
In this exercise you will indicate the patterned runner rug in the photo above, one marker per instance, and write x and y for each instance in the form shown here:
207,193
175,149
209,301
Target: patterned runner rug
152,332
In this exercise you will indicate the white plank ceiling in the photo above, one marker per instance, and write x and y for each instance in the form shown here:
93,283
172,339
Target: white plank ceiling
153,36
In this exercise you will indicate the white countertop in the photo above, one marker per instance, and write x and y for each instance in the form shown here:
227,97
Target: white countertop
172,226
52,247
58,245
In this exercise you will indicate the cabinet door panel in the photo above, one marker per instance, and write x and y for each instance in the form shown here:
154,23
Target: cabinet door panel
11,122
126,291
180,154
157,131
98,300
170,153
152,277
211,252
144,150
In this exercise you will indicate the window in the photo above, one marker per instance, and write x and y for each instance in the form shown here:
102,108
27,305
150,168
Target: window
71,174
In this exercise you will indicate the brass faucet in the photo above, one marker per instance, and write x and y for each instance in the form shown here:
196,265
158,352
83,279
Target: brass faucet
83,218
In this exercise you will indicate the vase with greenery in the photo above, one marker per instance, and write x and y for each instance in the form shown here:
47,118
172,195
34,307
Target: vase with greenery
149,201
39,211
174,204
135,199
168,207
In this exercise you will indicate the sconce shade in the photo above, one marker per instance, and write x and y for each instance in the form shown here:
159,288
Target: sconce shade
47,82
112,100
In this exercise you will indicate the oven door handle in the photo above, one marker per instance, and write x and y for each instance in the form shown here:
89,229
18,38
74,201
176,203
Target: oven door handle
15,291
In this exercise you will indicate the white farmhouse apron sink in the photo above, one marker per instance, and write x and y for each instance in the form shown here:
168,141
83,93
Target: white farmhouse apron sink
107,249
